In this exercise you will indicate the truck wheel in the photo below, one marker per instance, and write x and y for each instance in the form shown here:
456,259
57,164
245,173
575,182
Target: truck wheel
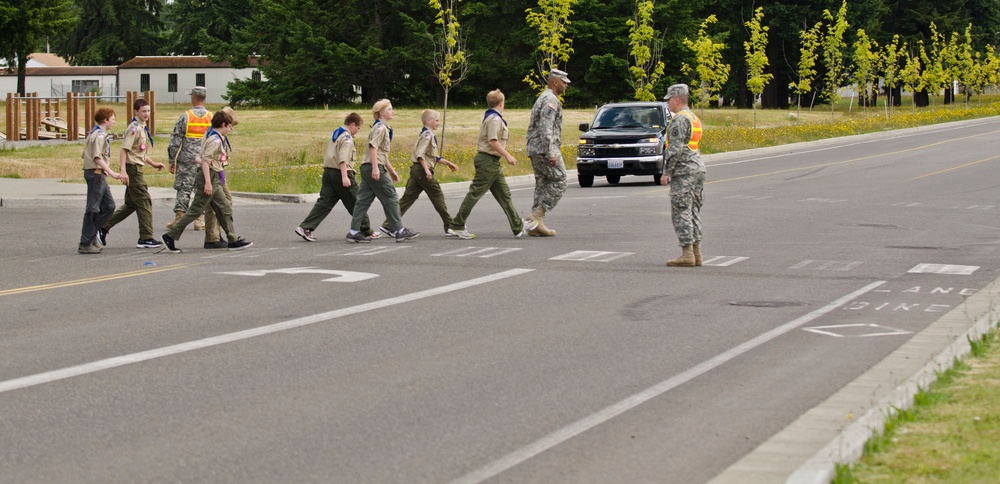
614,179
656,179
586,180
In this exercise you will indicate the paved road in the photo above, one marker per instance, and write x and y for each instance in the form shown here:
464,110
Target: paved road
579,358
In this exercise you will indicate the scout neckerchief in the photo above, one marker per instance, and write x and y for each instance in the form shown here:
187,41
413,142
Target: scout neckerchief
337,132
225,139
107,139
379,121
145,127
494,111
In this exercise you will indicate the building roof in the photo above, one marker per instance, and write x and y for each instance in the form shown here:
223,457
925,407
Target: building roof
174,62
48,60
64,71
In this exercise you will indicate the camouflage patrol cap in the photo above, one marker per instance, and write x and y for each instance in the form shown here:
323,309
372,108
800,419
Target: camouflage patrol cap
561,75
676,90
199,91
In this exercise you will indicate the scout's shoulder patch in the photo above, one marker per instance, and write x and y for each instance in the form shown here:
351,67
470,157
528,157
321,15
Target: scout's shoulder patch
348,139
427,134
133,128
551,106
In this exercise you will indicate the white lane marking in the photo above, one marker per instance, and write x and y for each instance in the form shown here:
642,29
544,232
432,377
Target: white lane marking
339,276
481,252
93,367
723,260
858,328
580,426
943,269
592,256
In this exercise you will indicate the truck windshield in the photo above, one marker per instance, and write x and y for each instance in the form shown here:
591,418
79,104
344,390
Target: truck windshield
629,117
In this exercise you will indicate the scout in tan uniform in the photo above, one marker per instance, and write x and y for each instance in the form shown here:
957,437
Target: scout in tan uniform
425,158
492,144
339,182
138,140
208,190
100,203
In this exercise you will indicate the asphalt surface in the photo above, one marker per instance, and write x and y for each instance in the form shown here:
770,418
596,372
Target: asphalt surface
578,358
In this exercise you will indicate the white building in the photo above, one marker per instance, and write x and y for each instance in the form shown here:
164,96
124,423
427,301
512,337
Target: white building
57,81
172,76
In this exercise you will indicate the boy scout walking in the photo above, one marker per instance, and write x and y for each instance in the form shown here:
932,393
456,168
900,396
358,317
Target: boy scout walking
339,182
100,202
184,145
492,144
133,158
425,158
685,172
544,149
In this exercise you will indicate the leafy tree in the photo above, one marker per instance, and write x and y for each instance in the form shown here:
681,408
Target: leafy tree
911,76
554,46
833,52
26,25
963,61
711,72
647,69
191,24
756,49
935,74
891,58
866,66
111,32
807,63
450,61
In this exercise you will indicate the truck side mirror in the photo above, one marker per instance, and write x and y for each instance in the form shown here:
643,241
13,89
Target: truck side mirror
584,127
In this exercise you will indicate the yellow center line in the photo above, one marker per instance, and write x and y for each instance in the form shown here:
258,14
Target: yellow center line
954,168
90,280
863,158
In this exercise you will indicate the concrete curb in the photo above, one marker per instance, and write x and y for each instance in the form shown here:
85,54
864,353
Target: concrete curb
808,450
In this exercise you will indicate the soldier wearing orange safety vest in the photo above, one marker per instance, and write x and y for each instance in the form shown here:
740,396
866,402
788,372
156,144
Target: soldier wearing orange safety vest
184,145
685,172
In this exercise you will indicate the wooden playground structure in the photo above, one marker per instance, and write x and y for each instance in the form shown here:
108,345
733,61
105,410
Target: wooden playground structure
31,118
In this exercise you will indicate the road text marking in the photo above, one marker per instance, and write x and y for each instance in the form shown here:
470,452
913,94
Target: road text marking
949,269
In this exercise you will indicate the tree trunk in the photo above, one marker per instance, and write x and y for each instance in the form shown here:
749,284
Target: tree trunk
921,99
444,122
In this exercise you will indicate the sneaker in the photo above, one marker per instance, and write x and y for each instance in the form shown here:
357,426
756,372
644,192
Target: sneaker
522,233
462,234
529,224
406,234
304,233
239,244
385,230
375,235
88,249
357,238
168,243
102,236
148,244
218,244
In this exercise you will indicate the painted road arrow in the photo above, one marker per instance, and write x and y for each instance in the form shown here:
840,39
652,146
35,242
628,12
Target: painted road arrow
340,276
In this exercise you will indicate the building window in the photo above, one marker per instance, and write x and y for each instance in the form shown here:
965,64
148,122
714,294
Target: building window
87,86
199,80
171,82
143,82
255,76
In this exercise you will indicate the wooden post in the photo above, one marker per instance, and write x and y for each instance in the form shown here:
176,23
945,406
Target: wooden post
89,109
10,118
17,118
38,111
72,116
30,118
151,97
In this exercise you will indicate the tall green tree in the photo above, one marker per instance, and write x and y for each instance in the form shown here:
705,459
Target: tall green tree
646,69
111,32
756,48
451,64
550,20
910,75
807,63
191,24
711,72
867,63
935,73
833,52
891,58
26,26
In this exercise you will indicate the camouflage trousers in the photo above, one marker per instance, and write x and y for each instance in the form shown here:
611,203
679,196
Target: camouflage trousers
686,197
550,181
184,184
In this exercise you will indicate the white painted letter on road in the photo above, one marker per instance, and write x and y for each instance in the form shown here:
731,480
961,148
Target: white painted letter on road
339,276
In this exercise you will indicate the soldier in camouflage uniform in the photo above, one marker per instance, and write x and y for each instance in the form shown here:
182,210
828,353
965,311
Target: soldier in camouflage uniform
685,172
185,142
544,142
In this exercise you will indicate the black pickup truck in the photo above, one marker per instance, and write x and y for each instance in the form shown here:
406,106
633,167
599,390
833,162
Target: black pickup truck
624,139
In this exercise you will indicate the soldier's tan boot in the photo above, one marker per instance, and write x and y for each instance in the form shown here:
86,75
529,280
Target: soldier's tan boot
696,248
177,216
199,223
541,230
685,260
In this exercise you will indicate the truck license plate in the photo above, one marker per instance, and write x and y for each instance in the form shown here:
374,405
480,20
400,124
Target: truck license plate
612,164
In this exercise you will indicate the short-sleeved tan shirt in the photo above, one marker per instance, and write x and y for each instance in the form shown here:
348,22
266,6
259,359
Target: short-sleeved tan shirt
380,139
426,148
214,152
98,146
340,150
493,128
136,143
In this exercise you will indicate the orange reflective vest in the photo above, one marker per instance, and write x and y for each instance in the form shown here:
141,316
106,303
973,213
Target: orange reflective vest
197,126
695,129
